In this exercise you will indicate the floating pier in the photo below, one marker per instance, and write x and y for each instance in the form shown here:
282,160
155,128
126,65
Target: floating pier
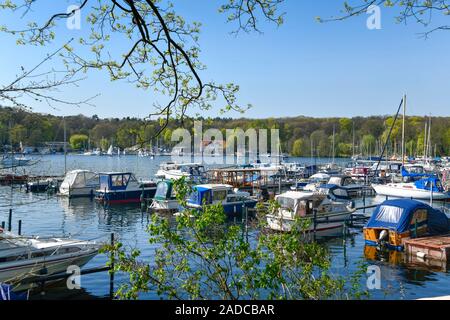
434,248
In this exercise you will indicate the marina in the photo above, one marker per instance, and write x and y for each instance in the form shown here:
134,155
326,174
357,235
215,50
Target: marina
50,215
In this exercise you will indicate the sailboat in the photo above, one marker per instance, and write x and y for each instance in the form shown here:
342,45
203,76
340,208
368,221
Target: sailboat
110,151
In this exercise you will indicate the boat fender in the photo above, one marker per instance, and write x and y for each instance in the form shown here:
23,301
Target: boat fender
421,254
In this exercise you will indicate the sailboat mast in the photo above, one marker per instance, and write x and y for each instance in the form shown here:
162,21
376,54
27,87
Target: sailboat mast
334,129
353,139
425,141
65,146
403,130
429,139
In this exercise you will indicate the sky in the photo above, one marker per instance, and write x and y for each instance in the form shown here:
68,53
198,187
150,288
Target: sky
302,68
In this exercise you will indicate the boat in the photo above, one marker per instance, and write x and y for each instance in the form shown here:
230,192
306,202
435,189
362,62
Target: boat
426,188
346,182
27,258
79,183
394,221
330,206
191,171
123,187
232,200
316,180
164,199
9,161
110,150
42,185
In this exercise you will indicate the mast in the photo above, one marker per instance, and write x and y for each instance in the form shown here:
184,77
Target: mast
65,146
334,128
429,147
403,130
425,141
353,139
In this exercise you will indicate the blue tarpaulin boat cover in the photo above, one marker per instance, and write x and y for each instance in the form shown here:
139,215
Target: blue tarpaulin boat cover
398,214
6,293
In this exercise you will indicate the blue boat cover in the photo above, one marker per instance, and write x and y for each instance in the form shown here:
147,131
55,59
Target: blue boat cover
425,184
406,173
198,194
398,214
6,293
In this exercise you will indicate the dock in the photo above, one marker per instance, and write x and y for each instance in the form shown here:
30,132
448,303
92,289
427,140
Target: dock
429,248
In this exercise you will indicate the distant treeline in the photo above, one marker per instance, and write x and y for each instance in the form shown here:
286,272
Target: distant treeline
300,136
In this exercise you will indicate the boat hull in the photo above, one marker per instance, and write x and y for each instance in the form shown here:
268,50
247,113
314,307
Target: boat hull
328,224
122,197
32,269
408,192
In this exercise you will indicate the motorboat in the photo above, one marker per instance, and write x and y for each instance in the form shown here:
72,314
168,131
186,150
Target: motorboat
353,187
194,172
316,180
79,183
330,207
426,188
394,221
164,199
233,201
25,258
123,187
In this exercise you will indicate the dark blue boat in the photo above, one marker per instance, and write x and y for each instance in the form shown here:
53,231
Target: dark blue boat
123,187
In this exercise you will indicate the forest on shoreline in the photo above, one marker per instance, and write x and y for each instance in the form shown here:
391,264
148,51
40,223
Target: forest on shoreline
299,135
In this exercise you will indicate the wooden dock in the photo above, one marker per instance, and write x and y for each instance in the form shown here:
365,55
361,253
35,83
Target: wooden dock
433,248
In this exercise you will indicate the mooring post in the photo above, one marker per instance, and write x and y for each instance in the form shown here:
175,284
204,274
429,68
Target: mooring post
364,202
3,224
10,220
111,271
315,222
20,228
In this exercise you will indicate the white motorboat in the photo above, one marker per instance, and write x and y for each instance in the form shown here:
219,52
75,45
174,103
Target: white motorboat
191,171
424,189
23,258
79,183
164,199
333,207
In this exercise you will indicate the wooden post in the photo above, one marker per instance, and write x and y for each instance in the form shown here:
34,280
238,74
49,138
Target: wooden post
111,272
315,221
364,202
3,224
20,228
10,220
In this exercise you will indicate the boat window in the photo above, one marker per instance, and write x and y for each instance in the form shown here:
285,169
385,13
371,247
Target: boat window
420,215
104,182
116,180
161,190
340,192
285,202
389,214
219,195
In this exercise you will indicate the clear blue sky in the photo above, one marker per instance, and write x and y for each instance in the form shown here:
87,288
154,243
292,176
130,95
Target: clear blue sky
302,68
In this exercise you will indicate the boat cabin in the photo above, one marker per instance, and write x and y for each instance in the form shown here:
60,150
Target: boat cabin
393,221
232,201
123,187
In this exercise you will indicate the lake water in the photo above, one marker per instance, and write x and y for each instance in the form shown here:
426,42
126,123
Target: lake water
48,215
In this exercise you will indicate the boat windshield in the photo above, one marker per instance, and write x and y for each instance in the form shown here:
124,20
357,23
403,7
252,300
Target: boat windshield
286,202
161,190
389,214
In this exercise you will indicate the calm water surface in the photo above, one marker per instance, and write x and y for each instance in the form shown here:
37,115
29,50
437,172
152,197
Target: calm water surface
47,215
